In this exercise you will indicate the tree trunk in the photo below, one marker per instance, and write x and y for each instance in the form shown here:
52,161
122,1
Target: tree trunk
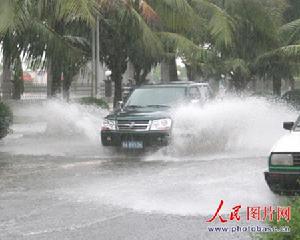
66,81
173,69
254,84
117,79
49,79
18,84
66,92
169,70
137,75
6,82
164,72
140,75
189,72
66,84
276,86
144,75
291,83
7,62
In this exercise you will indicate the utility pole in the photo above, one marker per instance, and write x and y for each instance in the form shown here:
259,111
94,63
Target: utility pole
97,73
93,62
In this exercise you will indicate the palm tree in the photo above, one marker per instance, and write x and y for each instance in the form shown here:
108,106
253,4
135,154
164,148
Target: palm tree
283,61
216,37
250,30
122,28
27,26
13,17
187,39
63,39
152,31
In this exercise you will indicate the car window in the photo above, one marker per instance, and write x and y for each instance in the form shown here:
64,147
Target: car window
194,93
156,96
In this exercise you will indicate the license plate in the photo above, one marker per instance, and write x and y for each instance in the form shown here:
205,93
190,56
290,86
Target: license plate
132,145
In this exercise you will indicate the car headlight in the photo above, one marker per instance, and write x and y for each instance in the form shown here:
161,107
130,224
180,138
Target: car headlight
161,124
282,159
108,125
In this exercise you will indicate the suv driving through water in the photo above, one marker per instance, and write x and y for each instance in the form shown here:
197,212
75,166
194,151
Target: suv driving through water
145,119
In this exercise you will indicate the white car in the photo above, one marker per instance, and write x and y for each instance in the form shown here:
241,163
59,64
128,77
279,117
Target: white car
284,161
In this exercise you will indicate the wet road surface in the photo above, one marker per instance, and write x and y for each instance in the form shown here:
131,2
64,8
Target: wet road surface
66,186
69,198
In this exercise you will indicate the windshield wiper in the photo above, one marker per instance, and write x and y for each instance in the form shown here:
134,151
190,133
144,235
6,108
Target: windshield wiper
158,105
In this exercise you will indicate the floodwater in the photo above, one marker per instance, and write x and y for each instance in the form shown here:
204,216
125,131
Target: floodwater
58,182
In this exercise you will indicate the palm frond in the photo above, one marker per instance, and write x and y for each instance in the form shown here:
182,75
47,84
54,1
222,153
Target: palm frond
78,10
185,47
290,32
148,13
221,29
149,39
43,42
290,53
255,25
176,15
14,16
221,25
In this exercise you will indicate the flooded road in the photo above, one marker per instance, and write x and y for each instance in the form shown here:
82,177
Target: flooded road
58,182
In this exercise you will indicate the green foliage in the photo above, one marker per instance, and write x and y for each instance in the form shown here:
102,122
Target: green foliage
294,225
27,29
222,27
293,10
185,47
5,111
213,37
94,101
175,15
290,32
6,117
282,61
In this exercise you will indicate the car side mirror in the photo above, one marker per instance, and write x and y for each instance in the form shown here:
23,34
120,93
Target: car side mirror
288,125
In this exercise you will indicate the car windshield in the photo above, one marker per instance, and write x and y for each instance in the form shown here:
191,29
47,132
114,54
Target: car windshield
156,97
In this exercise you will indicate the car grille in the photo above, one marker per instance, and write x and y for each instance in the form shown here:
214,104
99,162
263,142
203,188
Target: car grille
296,158
134,125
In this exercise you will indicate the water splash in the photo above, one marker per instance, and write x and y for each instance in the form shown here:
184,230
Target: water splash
205,170
223,156
244,126
55,128
219,129
64,119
